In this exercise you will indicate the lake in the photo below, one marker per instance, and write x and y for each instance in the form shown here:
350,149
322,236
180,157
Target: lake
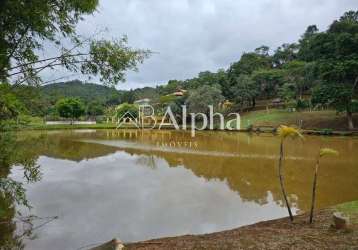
142,184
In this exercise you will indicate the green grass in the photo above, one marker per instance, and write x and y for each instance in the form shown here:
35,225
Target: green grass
326,120
350,209
273,117
320,120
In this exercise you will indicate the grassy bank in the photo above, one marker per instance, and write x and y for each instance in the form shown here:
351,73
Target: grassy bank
274,234
316,120
308,120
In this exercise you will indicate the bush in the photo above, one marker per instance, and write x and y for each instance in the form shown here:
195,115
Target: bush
302,104
126,108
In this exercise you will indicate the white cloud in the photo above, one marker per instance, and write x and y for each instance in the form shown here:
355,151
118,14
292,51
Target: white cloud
197,35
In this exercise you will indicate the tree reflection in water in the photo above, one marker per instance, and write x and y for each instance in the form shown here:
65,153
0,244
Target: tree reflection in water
15,151
245,163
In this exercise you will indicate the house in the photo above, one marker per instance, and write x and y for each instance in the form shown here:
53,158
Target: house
179,92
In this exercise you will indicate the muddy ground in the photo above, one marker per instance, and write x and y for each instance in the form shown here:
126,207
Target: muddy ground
274,234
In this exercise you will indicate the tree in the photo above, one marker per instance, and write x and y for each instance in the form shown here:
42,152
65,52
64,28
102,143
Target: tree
70,108
94,108
249,62
127,110
288,92
200,98
32,99
128,96
268,81
244,91
335,56
10,106
285,132
300,74
323,152
285,54
26,25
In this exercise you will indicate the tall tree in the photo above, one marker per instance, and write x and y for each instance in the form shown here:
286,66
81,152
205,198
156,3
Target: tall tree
70,108
25,27
245,91
200,98
285,54
300,74
335,53
268,81
248,63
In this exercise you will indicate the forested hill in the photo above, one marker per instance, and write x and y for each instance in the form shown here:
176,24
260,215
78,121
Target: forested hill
88,92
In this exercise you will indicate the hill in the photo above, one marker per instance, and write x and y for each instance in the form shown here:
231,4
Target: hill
88,92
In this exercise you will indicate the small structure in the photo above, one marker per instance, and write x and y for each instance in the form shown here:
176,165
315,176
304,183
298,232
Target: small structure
144,101
226,104
179,92
277,101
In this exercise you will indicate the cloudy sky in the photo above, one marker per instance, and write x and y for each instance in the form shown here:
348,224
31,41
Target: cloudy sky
197,35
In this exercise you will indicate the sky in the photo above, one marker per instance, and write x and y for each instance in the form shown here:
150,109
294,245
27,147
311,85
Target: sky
190,36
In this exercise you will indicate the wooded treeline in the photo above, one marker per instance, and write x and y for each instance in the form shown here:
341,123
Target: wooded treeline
319,70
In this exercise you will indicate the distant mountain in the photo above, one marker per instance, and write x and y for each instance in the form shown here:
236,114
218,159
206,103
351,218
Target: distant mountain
88,92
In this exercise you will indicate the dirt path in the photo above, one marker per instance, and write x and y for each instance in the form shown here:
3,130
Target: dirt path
275,234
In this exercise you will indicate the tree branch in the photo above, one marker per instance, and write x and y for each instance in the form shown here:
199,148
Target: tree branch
18,42
48,59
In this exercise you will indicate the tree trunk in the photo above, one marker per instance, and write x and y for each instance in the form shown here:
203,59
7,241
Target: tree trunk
253,102
350,120
281,181
314,190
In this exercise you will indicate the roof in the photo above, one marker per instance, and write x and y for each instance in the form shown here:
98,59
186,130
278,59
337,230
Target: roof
145,100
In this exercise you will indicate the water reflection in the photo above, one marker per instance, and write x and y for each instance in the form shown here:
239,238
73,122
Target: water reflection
141,184
15,151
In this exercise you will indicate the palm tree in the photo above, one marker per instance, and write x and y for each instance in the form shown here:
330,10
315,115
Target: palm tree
284,132
322,152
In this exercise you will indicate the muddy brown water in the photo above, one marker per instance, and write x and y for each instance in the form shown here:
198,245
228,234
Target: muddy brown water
142,184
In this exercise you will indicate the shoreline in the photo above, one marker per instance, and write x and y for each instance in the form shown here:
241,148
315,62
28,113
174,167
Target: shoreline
256,130
272,234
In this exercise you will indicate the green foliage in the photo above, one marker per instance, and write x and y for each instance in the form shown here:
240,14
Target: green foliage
12,153
285,54
27,25
288,92
110,59
249,63
94,109
200,98
10,106
335,53
70,108
244,91
44,20
166,99
87,92
32,99
268,81
125,109
302,104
